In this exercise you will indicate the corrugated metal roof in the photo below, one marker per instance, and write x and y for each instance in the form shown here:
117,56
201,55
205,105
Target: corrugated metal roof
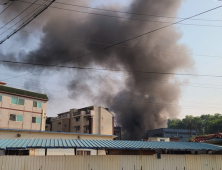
38,131
104,144
25,93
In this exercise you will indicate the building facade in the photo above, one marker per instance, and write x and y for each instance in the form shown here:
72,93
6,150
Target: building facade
182,134
22,109
158,139
92,120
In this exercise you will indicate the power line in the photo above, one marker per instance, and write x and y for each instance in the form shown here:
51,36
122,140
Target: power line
124,41
103,69
209,86
10,28
19,14
7,7
27,21
124,12
134,101
136,19
121,46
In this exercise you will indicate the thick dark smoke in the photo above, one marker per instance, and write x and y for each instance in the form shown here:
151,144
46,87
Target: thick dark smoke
143,101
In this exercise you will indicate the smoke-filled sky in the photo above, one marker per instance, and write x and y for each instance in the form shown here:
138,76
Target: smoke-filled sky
139,101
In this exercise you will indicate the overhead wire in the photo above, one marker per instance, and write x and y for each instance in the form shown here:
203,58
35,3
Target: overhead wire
19,21
121,46
103,69
7,7
27,21
136,19
209,86
124,41
133,100
19,14
123,12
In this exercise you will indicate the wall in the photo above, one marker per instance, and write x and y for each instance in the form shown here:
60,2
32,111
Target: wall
106,122
27,111
47,135
167,162
39,152
159,139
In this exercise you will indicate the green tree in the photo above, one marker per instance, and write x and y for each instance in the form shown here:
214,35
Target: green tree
205,124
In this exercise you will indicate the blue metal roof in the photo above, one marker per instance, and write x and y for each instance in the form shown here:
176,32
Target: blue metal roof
104,144
23,130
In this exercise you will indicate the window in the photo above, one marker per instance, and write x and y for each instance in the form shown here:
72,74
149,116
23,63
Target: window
86,152
36,120
37,104
83,152
18,118
77,128
0,98
79,152
18,101
21,102
12,117
87,127
162,140
87,118
77,119
33,119
65,125
14,100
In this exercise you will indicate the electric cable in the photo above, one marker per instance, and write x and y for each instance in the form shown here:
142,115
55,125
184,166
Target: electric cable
123,12
136,19
133,101
19,14
25,22
121,46
135,37
209,86
7,7
103,69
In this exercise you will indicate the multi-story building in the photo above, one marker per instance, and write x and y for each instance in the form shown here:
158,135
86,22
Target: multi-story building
92,120
22,109
182,134
117,132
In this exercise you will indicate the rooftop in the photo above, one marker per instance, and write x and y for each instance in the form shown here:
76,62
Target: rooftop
104,144
218,135
23,93
171,129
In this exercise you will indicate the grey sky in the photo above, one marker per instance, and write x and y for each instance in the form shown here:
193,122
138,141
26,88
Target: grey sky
199,95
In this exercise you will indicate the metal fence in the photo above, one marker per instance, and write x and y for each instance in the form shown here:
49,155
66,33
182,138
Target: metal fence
167,162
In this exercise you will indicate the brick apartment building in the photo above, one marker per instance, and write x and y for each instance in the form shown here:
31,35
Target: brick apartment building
22,109
92,120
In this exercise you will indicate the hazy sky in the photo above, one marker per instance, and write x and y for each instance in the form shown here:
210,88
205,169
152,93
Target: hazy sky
200,95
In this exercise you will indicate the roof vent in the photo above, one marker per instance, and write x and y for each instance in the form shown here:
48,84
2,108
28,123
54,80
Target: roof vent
2,83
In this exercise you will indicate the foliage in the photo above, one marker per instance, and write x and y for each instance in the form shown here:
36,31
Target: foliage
204,124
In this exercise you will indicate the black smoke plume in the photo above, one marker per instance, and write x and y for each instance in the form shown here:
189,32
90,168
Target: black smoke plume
140,101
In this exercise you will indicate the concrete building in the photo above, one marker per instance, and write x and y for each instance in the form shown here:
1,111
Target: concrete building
22,109
182,134
117,132
92,120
